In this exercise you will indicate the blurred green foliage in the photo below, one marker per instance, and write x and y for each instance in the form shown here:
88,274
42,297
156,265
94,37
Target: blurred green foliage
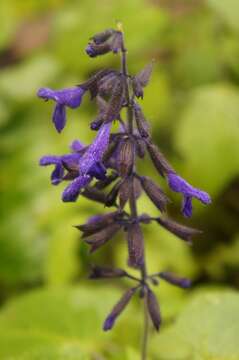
193,105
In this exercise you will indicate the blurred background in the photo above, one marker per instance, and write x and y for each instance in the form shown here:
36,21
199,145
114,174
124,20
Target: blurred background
49,310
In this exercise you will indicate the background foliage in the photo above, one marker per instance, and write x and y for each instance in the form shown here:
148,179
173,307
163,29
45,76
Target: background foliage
49,311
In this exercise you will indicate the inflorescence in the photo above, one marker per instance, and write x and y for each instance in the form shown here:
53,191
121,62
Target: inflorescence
110,162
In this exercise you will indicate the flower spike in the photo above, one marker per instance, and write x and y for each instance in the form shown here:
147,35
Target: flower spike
105,171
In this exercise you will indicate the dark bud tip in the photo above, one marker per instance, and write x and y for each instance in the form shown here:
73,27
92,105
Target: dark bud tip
175,280
96,124
108,324
90,50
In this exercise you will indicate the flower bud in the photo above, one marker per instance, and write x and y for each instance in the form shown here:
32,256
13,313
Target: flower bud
97,223
117,309
141,122
175,280
98,239
126,157
153,309
98,272
135,245
101,37
158,159
124,191
96,124
141,80
94,50
107,83
154,192
115,103
144,75
183,232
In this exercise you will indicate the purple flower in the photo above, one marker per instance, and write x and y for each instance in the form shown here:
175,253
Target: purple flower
70,97
91,161
178,184
61,163
83,165
90,164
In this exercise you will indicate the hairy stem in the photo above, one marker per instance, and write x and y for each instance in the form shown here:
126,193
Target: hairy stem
132,199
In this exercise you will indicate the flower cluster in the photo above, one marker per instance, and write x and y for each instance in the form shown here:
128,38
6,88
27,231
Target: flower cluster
105,171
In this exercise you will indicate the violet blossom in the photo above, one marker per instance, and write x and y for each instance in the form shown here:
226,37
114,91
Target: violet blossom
70,97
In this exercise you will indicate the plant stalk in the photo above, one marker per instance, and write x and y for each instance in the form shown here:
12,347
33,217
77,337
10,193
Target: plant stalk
132,199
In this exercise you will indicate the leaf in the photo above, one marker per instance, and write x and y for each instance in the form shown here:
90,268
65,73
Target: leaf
63,323
207,137
206,329
62,249
228,10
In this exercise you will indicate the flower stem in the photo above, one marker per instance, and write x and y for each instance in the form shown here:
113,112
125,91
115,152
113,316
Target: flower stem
132,199
145,332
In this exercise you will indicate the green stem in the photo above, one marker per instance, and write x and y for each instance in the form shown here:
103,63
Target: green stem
132,199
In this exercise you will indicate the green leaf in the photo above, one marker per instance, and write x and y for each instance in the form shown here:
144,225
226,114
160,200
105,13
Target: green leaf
207,329
229,11
207,137
62,323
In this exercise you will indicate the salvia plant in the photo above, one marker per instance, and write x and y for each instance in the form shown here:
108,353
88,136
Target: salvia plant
105,171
